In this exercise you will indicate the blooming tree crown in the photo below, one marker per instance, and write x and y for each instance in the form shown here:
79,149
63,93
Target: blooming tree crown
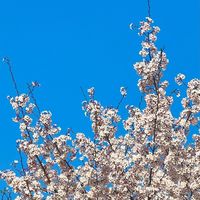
150,160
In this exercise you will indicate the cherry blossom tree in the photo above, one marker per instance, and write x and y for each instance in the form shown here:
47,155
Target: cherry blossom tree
148,161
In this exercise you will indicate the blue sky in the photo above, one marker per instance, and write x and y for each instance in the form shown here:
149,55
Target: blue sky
67,44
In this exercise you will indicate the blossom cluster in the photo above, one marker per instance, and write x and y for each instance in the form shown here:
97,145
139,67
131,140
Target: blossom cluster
179,79
149,160
154,61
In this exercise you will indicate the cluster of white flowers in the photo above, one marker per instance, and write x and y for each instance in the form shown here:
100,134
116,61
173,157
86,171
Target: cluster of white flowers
179,78
193,91
149,160
145,26
148,46
45,118
91,92
30,108
123,91
19,101
154,61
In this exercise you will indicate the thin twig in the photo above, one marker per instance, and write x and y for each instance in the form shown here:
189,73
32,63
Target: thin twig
120,102
33,97
7,61
85,97
149,8
140,103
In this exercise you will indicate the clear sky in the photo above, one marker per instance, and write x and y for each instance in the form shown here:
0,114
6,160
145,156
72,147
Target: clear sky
65,44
